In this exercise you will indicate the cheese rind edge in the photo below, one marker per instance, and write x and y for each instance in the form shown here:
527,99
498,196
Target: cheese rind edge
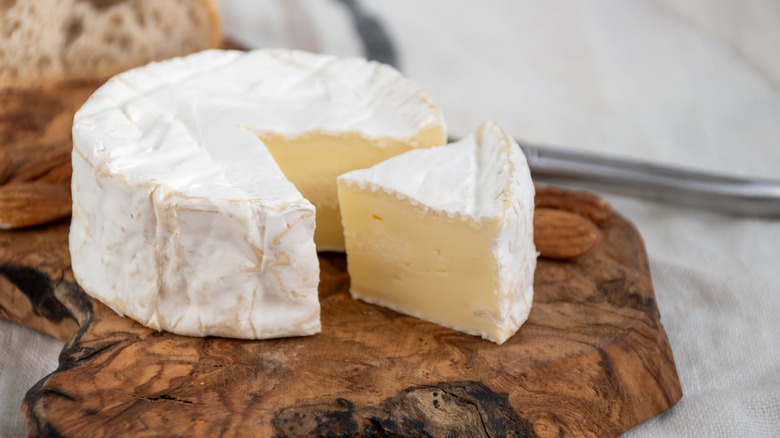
183,220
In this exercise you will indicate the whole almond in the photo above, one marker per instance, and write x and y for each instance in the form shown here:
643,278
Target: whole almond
60,174
39,167
6,166
559,234
35,203
585,204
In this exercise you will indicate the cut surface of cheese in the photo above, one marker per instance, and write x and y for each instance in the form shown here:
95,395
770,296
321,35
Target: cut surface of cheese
182,217
313,161
445,234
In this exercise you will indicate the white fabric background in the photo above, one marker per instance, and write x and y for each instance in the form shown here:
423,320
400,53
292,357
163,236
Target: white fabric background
693,83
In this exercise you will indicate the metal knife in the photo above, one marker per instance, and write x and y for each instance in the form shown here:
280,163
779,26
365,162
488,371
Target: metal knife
740,196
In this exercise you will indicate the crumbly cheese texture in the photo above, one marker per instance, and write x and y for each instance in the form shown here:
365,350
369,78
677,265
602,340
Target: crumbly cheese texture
446,234
182,217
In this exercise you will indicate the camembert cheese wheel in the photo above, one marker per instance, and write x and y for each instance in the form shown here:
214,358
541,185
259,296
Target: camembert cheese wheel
196,182
446,234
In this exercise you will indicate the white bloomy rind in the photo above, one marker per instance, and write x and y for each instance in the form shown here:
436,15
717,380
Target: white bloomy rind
483,177
181,218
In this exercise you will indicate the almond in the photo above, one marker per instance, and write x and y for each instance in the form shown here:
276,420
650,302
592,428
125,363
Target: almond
559,234
35,203
585,204
6,166
60,174
41,166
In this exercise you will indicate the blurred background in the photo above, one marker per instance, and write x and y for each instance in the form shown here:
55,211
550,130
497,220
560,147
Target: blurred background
690,83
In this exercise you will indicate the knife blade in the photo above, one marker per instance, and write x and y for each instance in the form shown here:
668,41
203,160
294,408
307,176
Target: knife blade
740,196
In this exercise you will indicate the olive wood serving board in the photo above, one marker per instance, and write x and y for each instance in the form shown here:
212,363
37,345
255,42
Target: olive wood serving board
593,359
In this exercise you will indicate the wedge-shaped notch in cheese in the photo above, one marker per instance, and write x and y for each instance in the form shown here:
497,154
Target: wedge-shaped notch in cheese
446,234
184,220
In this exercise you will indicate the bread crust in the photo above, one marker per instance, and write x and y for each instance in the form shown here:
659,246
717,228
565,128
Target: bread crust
212,36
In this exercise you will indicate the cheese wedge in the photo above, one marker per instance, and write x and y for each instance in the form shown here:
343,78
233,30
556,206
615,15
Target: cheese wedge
186,213
446,234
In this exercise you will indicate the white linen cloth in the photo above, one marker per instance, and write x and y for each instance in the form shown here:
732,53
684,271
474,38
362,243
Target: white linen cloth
693,83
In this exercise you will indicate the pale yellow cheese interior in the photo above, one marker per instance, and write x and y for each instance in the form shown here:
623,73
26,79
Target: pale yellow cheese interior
421,263
312,162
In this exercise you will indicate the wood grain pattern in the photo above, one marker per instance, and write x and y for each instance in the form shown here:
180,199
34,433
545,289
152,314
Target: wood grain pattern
36,123
34,262
592,360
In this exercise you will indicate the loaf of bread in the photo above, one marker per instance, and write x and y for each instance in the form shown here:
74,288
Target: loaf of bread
53,55
49,41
